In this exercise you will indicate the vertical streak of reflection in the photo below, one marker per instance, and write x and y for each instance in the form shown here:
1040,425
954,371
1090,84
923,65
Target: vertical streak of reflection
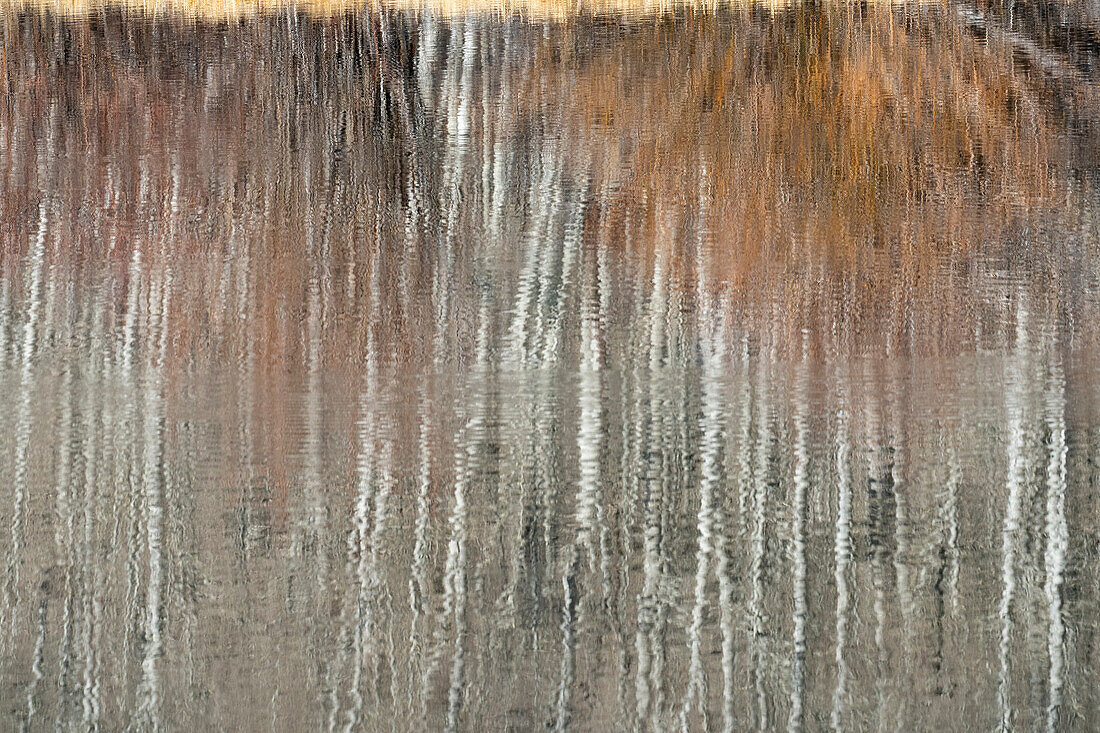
64,535
519,333
153,478
900,487
603,285
951,509
487,190
589,444
241,247
652,499
745,485
309,538
63,515
467,470
842,553
722,550
425,60
36,266
91,605
556,296
1056,536
496,145
711,428
379,590
1015,396
37,660
138,305
570,607
114,467
418,577
631,473
456,567
5,321
459,92
877,489
357,621
757,617
798,545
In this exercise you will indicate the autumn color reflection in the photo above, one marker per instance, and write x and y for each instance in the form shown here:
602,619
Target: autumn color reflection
727,366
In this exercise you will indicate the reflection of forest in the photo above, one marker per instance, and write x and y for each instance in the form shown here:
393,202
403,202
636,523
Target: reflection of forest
728,366
860,164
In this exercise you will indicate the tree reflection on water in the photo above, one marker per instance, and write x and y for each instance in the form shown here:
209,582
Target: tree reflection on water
716,368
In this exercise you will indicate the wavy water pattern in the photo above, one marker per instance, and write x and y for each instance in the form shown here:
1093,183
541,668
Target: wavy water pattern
609,367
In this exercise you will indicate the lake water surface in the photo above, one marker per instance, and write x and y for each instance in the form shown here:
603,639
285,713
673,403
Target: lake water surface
499,368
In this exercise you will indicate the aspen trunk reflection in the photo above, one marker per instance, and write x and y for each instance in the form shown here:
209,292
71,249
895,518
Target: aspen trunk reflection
721,368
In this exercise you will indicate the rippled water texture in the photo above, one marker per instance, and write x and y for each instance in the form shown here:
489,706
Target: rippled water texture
727,367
